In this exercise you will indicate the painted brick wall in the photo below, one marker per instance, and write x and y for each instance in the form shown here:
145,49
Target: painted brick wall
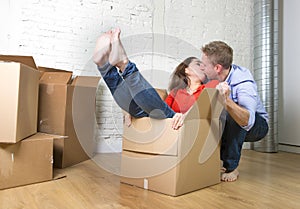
157,35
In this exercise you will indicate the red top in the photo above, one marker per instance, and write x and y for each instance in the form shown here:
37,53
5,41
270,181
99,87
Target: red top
181,101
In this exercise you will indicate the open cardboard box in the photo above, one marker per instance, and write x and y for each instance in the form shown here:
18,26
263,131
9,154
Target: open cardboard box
27,161
67,107
175,162
19,85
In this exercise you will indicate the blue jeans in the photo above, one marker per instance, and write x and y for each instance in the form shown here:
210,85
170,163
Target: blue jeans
133,93
234,136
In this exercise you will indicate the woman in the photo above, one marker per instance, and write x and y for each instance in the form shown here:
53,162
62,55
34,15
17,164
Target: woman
187,84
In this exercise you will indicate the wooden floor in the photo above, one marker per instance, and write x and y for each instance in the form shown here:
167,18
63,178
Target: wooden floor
266,181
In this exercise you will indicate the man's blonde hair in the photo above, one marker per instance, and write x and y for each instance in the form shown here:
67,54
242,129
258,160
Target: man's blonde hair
218,52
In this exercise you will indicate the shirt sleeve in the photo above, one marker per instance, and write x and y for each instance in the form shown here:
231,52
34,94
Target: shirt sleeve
246,96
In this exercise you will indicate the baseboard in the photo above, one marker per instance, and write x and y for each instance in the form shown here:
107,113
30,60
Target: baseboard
247,145
289,148
104,147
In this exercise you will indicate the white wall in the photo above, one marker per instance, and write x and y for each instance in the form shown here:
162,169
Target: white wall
289,132
62,34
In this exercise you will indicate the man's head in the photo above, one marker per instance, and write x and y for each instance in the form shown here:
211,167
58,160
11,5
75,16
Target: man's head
216,57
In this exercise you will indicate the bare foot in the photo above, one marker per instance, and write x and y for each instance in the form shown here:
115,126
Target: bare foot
229,177
117,56
102,49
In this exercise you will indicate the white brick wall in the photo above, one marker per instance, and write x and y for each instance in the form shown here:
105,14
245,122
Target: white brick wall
62,34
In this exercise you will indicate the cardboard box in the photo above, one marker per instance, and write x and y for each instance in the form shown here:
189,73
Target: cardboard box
175,162
19,85
27,161
67,107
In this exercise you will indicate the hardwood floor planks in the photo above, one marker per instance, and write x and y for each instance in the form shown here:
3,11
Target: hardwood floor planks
267,180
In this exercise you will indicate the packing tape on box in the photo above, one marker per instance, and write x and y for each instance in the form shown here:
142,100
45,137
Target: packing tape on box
145,183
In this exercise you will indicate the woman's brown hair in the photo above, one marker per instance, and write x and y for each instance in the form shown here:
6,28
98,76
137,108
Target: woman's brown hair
179,79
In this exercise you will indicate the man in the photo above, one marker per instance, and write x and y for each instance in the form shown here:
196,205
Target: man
246,117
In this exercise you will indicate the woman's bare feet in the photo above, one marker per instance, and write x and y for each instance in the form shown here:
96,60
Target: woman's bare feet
117,56
229,177
102,49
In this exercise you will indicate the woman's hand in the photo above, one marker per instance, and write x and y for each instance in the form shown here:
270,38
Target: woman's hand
178,120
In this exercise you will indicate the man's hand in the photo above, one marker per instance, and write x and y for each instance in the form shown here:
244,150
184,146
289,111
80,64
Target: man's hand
224,91
238,113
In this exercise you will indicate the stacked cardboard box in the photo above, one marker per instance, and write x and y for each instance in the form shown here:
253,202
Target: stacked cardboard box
67,107
25,155
175,162
45,112
27,161
19,85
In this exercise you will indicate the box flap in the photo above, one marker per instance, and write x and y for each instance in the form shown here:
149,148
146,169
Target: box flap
55,77
40,135
162,93
89,81
26,60
47,69
148,135
42,70
207,105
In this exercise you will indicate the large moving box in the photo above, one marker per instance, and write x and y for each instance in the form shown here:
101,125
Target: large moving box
67,107
27,161
175,162
19,84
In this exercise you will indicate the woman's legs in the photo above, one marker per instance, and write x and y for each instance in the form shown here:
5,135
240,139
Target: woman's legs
112,78
144,95
120,91
130,90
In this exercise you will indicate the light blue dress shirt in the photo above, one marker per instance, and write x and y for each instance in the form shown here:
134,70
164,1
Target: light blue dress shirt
244,93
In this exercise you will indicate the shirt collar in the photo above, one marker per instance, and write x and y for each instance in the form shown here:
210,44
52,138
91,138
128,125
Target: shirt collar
228,78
